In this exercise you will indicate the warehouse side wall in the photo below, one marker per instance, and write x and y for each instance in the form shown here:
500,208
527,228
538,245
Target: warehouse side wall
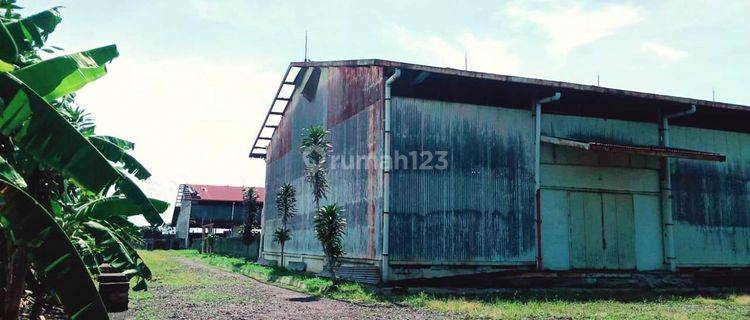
711,200
479,209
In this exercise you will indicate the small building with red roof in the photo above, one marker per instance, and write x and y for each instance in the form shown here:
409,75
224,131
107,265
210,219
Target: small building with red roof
198,205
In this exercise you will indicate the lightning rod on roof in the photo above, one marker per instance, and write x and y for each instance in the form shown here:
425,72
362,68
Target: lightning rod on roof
305,46
466,60
713,94
597,79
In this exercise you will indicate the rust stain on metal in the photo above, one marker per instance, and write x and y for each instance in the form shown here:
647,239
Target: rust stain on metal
373,174
281,143
351,90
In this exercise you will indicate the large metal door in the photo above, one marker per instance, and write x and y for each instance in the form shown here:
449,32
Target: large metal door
601,231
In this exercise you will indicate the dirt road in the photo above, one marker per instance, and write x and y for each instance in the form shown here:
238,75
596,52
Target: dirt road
205,292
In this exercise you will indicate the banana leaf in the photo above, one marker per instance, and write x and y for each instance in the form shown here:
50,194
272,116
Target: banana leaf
63,75
52,252
118,252
41,131
122,143
117,206
6,67
8,50
9,173
113,251
128,188
87,255
126,230
116,154
141,269
31,32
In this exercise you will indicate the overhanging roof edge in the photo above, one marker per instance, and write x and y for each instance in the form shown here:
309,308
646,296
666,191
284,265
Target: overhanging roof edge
520,80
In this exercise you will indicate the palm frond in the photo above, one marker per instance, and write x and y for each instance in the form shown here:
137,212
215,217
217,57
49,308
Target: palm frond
286,202
282,235
330,228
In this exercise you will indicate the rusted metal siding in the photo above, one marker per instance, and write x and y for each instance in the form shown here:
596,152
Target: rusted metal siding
480,210
348,101
711,200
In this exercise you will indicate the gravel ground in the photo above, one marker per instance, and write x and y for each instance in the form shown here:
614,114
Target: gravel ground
225,295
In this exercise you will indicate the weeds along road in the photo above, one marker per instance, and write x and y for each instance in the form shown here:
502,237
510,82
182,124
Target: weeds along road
186,289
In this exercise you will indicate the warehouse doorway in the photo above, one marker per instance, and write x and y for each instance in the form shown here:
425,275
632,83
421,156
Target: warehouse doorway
602,231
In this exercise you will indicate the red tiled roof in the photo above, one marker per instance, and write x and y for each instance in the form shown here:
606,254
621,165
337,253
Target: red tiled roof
224,193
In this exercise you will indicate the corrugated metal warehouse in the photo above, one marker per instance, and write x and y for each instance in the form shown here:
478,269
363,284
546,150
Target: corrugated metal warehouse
493,173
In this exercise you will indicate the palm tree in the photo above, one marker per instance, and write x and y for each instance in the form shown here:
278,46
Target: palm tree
252,206
315,148
286,202
330,229
329,225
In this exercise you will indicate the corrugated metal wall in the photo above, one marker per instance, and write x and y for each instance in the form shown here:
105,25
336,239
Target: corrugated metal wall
479,210
569,174
711,200
349,102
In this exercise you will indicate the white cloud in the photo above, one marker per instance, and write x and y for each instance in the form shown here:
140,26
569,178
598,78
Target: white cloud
571,25
664,51
192,120
487,55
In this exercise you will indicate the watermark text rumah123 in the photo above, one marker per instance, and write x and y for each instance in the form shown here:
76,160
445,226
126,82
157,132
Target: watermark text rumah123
412,160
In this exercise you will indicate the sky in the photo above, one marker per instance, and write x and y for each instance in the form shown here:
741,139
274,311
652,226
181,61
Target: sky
195,77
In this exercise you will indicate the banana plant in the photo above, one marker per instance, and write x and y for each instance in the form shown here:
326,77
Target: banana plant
30,33
104,221
51,251
63,75
41,152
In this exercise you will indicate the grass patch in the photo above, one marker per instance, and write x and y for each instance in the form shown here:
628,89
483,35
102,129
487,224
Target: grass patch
303,282
585,306
491,306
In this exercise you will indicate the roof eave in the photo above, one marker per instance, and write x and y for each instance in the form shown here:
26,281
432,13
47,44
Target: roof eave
520,80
